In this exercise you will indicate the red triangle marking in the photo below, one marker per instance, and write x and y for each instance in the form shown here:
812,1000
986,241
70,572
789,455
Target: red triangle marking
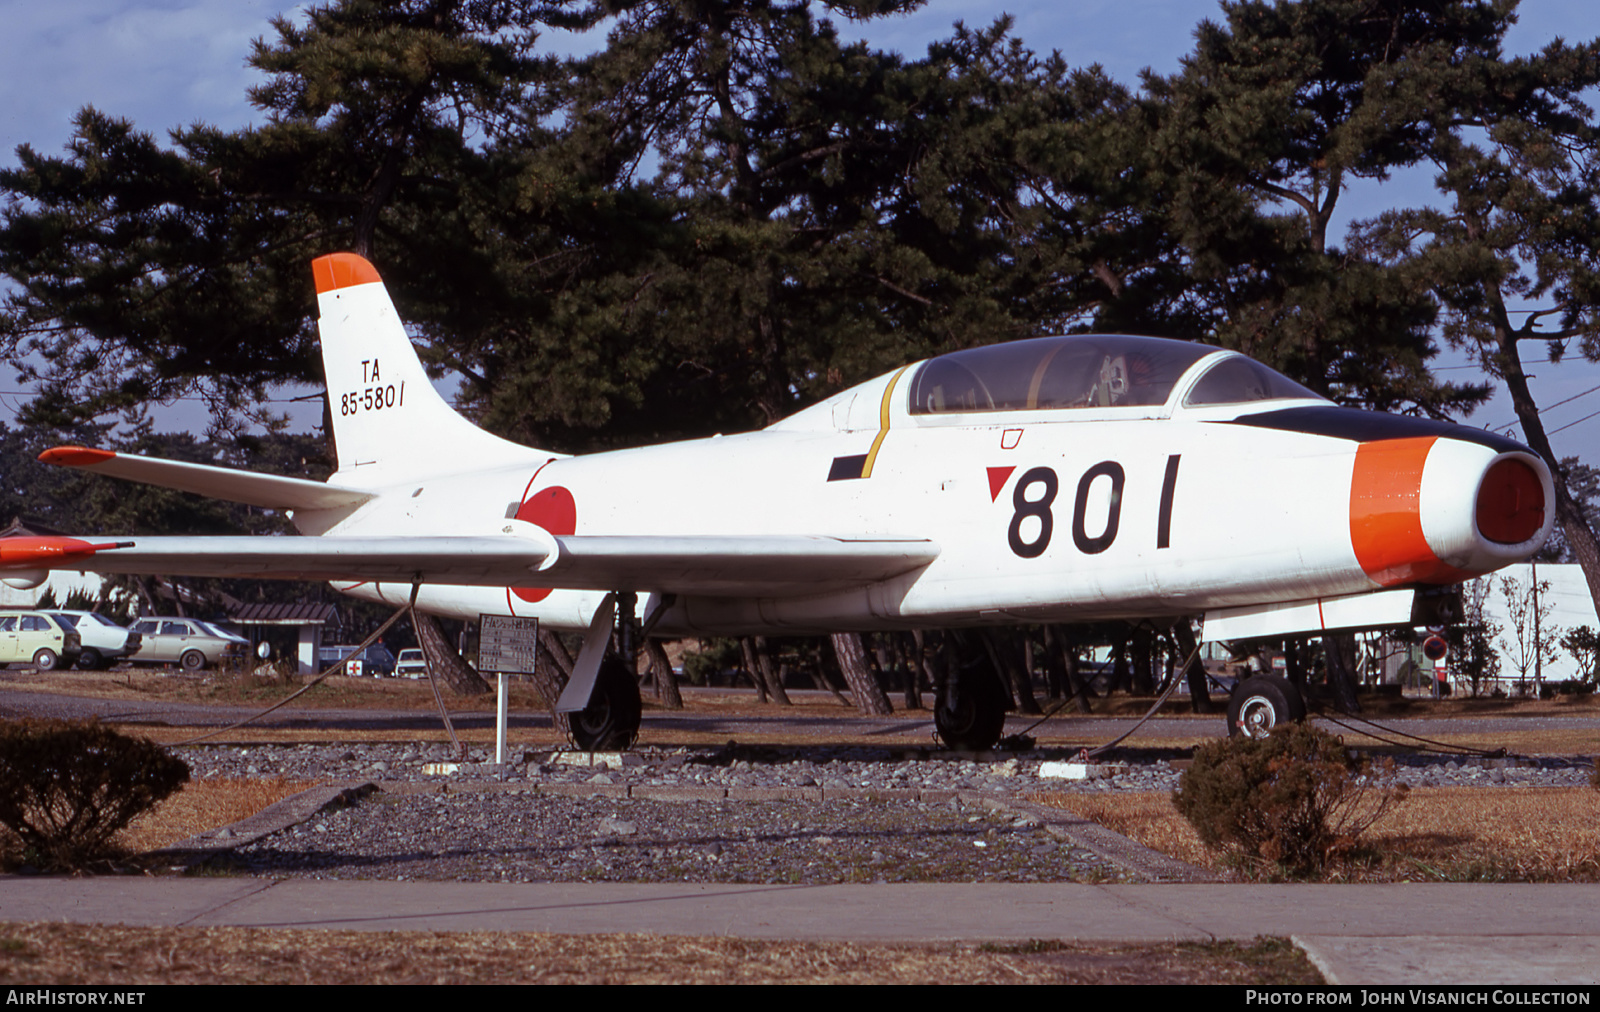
997,480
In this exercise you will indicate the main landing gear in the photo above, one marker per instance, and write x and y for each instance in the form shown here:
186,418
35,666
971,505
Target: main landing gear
611,720
970,711
602,696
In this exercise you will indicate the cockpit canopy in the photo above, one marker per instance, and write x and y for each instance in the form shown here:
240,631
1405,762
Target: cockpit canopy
1090,371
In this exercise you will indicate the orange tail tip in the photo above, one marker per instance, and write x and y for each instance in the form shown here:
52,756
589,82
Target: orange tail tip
74,456
36,552
342,270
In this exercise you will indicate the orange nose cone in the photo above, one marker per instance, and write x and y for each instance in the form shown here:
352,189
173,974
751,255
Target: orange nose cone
1510,503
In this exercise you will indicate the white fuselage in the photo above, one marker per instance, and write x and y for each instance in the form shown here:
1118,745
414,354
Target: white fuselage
1116,512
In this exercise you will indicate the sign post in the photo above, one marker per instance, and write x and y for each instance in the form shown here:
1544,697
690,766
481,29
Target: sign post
506,645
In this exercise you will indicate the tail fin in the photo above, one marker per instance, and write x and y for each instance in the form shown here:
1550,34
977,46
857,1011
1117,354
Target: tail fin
389,424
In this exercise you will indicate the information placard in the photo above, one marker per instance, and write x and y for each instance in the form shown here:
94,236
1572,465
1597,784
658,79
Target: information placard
507,643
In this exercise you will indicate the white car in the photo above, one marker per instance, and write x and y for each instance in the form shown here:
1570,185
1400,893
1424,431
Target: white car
104,641
411,664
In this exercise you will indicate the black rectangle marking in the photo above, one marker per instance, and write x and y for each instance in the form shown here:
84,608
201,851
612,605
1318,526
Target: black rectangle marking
847,467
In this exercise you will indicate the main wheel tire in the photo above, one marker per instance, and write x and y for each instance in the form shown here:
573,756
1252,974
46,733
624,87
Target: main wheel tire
611,720
1262,702
90,660
46,659
192,660
975,719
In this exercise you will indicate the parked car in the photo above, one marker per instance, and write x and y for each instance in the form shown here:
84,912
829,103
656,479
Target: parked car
376,660
104,641
187,642
39,637
411,664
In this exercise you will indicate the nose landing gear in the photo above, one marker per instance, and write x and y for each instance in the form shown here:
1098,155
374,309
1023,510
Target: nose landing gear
1262,702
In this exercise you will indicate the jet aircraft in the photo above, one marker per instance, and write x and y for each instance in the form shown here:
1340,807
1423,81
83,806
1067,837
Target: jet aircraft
1056,479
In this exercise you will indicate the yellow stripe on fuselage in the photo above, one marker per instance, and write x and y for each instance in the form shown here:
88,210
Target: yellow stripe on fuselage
883,422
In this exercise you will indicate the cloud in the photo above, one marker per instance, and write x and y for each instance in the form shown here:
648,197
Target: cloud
159,64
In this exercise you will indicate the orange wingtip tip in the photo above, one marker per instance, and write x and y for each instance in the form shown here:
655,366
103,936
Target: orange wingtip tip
74,456
342,270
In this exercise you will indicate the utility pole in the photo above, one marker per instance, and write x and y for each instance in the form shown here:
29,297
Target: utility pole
1538,630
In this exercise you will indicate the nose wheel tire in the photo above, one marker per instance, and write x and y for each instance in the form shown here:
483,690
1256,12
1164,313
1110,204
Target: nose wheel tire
1261,703
611,720
971,718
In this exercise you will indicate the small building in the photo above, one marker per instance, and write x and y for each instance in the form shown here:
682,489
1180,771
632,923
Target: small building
309,621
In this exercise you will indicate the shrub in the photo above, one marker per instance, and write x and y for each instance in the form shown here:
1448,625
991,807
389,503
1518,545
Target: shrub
67,787
1295,800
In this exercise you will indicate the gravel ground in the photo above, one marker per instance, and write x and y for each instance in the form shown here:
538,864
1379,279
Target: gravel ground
821,769
744,814
530,837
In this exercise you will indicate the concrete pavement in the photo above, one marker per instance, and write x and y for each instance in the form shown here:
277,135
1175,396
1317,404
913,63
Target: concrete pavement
1356,934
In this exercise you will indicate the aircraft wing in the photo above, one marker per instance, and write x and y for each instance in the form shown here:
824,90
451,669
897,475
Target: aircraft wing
733,566
765,566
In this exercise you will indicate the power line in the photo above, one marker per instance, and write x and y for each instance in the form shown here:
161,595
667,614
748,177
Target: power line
1479,367
1569,425
183,397
1511,425
1574,397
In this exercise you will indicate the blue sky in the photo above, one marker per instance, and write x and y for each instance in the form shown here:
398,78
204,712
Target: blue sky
166,63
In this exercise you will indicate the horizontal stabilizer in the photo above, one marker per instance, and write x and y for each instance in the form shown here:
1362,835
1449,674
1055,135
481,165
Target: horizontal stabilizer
740,565
268,491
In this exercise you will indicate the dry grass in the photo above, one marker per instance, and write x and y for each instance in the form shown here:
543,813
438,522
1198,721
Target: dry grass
205,805
201,805
1147,817
1522,741
239,688
34,954
1530,834
1521,834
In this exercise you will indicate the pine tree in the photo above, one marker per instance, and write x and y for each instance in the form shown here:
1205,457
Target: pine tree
1274,116
1516,152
